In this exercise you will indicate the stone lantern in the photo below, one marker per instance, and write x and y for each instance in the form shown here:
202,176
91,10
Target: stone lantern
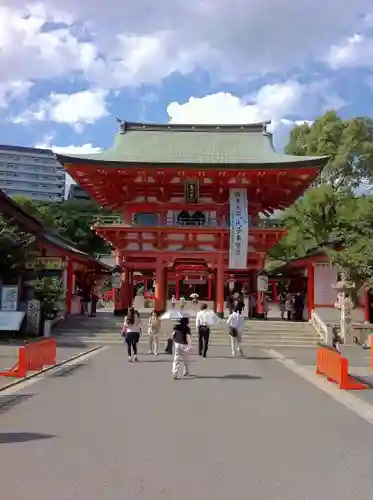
345,305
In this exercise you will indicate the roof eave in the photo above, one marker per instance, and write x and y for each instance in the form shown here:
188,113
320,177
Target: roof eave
317,162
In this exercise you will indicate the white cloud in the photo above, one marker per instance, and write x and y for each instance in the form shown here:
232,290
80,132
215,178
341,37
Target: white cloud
276,102
113,45
76,110
11,90
271,102
356,51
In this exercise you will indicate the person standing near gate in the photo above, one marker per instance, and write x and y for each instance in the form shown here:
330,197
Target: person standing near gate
203,321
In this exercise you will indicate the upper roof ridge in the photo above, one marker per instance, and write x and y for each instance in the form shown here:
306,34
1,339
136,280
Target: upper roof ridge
260,127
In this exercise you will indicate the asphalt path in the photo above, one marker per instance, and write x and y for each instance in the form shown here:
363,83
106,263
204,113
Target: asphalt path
238,429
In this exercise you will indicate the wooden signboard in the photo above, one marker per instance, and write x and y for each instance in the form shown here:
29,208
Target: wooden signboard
191,191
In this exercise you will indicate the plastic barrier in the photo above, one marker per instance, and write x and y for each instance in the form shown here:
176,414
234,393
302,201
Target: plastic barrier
33,357
335,367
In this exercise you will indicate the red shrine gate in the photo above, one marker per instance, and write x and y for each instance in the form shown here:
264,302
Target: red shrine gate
171,186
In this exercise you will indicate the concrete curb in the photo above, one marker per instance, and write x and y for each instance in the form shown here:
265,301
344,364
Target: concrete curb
49,368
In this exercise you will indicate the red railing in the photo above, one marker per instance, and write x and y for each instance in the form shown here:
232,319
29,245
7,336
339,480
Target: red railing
33,357
335,368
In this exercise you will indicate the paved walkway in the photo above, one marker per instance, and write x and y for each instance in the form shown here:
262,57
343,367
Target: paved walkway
238,429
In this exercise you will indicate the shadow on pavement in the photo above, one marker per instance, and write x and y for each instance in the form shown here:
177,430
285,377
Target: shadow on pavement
22,437
260,358
232,376
9,402
69,370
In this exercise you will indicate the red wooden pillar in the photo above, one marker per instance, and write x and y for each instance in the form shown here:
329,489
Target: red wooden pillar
220,288
124,290
366,306
177,290
310,289
209,288
69,285
118,292
160,287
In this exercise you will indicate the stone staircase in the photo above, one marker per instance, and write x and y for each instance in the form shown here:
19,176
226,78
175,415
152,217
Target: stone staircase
105,329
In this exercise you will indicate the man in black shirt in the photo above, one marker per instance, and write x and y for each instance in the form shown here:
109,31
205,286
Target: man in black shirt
182,340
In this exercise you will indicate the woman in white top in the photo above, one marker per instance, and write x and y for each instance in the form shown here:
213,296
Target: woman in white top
236,323
154,327
132,331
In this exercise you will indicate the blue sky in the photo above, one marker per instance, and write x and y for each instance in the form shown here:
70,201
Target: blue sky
68,68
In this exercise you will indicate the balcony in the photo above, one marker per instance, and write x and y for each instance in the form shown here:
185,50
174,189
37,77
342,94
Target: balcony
117,220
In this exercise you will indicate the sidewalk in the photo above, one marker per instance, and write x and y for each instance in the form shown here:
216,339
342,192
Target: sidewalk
9,356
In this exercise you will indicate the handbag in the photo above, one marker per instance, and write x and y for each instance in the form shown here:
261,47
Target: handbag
123,331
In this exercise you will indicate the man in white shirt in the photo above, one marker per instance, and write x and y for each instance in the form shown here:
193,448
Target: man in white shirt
203,320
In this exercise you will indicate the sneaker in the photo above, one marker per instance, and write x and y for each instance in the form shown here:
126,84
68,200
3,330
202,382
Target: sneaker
135,358
155,354
130,360
150,352
175,377
233,354
186,374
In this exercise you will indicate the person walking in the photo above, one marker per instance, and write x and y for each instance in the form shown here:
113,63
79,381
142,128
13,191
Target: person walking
289,306
183,340
131,332
203,329
154,326
282,302
236,323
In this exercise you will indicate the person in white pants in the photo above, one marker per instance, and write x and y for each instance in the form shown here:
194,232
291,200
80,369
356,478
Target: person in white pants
154,327
236,323
182,340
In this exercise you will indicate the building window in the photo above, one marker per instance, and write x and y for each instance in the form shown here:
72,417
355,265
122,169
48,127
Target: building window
145,219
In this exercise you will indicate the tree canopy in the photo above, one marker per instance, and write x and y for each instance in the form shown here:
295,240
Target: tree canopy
71,219
332,210
14,244
349,143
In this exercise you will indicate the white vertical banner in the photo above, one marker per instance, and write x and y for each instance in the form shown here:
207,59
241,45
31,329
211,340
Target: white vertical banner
239,229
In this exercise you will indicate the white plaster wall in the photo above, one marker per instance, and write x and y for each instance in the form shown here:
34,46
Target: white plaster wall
326,276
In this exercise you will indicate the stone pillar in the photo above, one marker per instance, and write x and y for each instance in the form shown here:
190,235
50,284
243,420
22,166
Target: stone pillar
220,288
160,287
310,289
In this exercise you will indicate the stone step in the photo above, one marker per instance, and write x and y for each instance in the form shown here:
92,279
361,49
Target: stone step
245,344
213,341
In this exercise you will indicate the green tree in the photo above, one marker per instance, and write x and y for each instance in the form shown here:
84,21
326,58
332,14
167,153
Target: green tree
14,245
355,230
349,143
71,219
311,221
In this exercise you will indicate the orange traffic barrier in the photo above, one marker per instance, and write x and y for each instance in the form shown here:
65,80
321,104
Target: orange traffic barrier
335,368
33,357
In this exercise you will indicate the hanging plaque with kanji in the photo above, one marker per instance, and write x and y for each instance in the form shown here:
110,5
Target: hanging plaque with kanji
191,191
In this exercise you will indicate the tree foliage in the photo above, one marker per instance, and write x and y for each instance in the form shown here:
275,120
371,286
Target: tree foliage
71,219
349,143
14,244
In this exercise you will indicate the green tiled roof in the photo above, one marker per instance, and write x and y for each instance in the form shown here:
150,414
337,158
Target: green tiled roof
194,145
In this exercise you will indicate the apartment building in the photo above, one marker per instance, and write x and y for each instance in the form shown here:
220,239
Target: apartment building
77,193
31,172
